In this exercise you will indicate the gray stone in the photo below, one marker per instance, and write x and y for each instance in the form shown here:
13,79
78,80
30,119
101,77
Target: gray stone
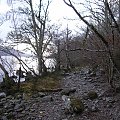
94,109
96,101
85,77
41,94
2,95
47,98
118,116
27,108
109,105
9,97
3,100
68,91
9,110
35,96
1,104
84,83
67,101
20,115
110,100
10,116
17,101
4,118
85,97
19,107
32,110
19,96
8,106
92,75
91,81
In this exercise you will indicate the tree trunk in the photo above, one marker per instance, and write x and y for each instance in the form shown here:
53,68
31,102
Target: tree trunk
119,15
4,70
67,50
106,16
44,72
39,64
18,85
58,56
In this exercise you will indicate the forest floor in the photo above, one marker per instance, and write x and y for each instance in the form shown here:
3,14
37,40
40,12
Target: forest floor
50,105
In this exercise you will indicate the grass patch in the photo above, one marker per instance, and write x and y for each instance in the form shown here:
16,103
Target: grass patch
41,84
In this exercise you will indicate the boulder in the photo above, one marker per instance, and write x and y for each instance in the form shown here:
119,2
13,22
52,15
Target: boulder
67,102
68,91
41,94
47,98
92,74
2,95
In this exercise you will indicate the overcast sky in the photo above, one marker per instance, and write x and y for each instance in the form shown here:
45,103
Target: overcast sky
59,13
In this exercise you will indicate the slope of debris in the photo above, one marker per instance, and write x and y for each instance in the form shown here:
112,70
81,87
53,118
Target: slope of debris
56,105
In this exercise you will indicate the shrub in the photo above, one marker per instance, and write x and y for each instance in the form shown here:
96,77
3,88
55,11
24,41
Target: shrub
77,105
92,95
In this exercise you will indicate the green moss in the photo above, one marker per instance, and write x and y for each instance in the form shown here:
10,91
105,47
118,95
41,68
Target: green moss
92,95
77,105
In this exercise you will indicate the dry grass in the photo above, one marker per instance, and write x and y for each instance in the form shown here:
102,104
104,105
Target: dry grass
44,84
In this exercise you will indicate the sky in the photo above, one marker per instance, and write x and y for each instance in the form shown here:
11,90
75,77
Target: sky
59,13
3,6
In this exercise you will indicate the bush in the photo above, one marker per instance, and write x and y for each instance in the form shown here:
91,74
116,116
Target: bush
92,95
8,85
77,105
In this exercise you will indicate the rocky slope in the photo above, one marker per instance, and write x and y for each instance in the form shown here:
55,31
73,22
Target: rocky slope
52,106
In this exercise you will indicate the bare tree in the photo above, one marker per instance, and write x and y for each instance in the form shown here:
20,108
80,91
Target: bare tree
34,30
104,40
67,48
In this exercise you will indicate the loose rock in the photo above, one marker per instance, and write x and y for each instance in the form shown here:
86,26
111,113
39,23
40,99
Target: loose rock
2,95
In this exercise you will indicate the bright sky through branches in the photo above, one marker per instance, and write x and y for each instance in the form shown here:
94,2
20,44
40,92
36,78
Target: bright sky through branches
3,6
59,13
